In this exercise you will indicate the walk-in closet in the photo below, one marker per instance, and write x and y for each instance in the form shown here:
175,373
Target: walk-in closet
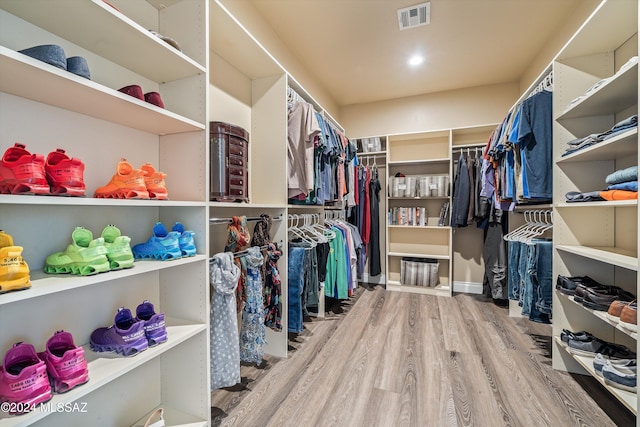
318,213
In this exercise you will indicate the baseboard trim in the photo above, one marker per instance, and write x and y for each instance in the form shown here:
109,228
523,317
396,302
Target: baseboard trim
467,287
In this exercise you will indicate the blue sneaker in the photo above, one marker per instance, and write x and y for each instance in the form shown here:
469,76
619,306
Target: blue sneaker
162,245
187,244
126,336
154,326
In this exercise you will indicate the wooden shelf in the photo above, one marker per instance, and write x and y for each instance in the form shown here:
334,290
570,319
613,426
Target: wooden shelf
372,153
29,78
602,315
627,398
43,284
610,255
418,162
617,94
92,201
440,290
604,204
107,367
89,23
618,147
415,255
420,198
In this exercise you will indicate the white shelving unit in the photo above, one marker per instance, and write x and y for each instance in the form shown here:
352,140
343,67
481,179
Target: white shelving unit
423,153
46,108
598,239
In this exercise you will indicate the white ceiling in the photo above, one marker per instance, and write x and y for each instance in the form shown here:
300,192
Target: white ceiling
354,49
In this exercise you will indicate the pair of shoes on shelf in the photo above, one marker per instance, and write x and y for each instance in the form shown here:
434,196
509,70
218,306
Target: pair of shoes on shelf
28,378
14,270
585,344
568,285
625,313
150,97
54,55
131,183
130,335
86,256
166,245
619,373
24,173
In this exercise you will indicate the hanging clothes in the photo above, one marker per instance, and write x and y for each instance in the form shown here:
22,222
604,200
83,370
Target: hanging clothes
295,285
238,240
302,128
495,257
273,290
225,345
461,189
252,332
375,267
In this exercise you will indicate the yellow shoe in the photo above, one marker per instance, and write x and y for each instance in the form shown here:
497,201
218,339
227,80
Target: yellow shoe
14,271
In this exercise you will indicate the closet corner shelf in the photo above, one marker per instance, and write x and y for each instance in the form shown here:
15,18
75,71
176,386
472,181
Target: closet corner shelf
522,208
43,284
627,398
174,417
618,147
617,94
416,255
29,78
242,206
89,23
107,367
602,316
611,255
440,290
605,204
418,162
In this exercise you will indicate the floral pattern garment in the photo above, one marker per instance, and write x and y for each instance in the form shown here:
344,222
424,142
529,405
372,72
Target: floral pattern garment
273,290
252,333
225,353
237,241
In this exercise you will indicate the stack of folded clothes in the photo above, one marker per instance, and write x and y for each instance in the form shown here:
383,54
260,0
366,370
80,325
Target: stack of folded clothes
589,140
621,185
614,362
591,293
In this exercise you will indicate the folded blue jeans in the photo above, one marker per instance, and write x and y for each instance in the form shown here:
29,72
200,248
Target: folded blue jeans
295,286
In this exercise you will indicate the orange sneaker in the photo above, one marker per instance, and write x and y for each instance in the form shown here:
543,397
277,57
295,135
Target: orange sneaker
65,174
22,172
127,183
154,181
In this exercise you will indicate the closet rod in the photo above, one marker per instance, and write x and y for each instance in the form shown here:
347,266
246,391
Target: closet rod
246,251
256,218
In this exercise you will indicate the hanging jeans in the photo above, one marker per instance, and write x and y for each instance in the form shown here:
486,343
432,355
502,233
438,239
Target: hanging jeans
536,293
295,270
513,279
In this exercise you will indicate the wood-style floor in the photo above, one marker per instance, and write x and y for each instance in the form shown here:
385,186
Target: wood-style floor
398,359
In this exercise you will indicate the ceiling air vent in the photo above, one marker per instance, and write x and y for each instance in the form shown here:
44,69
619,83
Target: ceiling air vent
414,16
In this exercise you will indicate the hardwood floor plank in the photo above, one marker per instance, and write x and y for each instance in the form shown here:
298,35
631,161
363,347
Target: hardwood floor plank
396,359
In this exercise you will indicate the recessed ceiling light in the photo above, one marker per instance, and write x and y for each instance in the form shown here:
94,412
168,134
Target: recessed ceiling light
416,60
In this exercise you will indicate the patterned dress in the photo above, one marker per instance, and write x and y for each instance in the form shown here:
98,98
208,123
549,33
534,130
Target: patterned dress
252,333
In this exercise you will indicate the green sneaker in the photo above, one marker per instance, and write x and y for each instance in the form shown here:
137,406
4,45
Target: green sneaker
85,256
118,248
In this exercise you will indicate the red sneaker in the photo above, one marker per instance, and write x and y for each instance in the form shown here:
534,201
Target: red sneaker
22,172
65,174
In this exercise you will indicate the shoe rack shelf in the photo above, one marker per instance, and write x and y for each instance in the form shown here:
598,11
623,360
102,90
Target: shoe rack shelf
596,239
46,108
602,316
627,398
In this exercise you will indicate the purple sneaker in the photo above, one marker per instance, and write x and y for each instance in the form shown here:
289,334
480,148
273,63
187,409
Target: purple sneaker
65,362
125,336
23,379
154,326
